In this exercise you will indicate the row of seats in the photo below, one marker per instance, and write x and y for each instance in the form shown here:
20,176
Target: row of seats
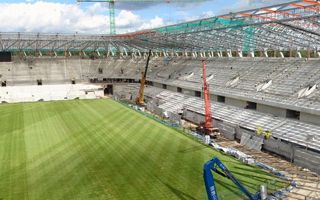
31,93
288,76
292,131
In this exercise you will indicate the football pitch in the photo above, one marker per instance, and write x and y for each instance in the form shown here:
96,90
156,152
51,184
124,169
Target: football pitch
100,149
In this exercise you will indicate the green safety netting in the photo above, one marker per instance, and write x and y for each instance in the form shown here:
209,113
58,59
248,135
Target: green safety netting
214,23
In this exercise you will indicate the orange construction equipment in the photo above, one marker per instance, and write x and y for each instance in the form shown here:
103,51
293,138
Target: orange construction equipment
140,97
206,127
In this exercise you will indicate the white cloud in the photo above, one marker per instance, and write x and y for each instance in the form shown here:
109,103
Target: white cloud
97,8
67,18
251,4
153,23
206,14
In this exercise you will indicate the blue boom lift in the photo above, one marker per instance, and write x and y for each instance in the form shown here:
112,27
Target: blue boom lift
213,165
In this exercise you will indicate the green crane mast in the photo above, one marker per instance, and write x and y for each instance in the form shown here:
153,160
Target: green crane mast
112,19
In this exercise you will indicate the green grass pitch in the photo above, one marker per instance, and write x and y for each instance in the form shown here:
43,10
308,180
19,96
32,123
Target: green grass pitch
100,149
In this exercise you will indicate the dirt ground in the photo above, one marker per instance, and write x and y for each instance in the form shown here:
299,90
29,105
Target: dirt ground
308,182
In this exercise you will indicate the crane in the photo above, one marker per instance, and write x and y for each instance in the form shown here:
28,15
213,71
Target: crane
215,164
206,127
111,3
140,97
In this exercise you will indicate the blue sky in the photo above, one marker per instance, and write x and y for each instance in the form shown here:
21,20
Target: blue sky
67,16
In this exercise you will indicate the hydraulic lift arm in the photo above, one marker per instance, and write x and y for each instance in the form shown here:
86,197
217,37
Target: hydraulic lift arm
213,165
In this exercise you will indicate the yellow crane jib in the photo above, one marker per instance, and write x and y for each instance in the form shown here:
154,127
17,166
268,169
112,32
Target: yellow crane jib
140,97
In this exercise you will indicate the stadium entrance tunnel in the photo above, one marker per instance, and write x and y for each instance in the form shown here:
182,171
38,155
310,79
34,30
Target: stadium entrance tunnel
108,90
39,82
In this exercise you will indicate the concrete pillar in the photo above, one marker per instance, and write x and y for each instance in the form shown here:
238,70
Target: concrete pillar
194,54
125,52
100,54
252,54
299,54
281,54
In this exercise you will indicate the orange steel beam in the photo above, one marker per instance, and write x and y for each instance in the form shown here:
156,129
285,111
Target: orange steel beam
305,7
311,2
133,35
257,16
268,10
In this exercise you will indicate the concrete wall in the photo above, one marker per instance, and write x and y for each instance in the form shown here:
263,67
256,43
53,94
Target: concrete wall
213,97
188,92
172,88
32,93
279,112
307,159
235,102
227,130
158,85
279,147
314,119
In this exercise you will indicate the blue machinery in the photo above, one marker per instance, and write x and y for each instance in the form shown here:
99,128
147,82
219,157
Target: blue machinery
213,165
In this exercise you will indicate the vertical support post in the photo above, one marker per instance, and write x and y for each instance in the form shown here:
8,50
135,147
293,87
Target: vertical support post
299,54
112,18
281,54
252,54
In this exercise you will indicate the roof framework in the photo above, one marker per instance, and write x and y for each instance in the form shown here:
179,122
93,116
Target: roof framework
289,26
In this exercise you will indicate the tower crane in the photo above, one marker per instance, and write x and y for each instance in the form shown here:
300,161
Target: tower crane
111,3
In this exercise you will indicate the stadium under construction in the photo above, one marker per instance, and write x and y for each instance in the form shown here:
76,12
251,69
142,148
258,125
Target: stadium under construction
263,79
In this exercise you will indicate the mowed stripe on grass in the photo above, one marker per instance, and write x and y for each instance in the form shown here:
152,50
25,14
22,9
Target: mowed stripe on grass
99,149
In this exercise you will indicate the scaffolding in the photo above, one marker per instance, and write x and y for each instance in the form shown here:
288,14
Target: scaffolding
289,27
